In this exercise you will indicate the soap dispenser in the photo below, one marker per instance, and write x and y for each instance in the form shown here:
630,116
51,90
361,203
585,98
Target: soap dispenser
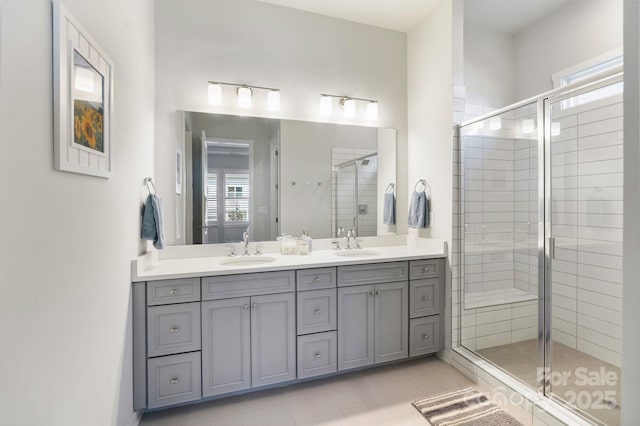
306,236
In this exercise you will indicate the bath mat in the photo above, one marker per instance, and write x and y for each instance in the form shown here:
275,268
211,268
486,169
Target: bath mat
466,407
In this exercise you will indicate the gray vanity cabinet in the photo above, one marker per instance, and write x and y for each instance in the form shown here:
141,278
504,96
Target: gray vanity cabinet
373,320
247,342
226,346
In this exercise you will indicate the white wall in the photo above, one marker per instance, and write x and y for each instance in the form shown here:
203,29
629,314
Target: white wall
571,34
303,54
430,88
306,156
68,239
631,268
488,66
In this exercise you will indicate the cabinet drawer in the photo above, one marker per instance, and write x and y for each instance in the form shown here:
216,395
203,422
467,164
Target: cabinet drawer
315,279
317,311
173,328
424,297
174,379
426,268
228,286
372,273
173,291
424,335
317,354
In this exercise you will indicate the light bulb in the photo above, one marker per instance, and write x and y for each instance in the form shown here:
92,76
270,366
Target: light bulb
244,97
215,94
273,100
325,105
372,111
349,107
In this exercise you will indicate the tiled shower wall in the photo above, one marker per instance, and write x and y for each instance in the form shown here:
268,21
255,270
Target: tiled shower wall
587,203
587,284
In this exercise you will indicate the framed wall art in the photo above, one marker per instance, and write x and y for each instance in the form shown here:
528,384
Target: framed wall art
83,99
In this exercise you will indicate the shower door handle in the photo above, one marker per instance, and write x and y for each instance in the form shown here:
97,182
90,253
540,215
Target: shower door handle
552,248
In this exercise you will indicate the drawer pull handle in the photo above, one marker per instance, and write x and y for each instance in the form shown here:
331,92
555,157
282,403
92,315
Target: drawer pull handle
316,280
317,355
426,269
317,312
174,381
425,298
173,292
425,336
174,330
245,307
254,306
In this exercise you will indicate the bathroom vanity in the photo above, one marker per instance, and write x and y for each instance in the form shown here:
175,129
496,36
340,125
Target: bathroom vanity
204,329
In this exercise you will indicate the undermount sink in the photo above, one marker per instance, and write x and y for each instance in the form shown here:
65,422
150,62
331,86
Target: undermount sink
356,253
247,260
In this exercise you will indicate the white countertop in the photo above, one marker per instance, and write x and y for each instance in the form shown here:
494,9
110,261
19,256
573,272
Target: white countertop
157,269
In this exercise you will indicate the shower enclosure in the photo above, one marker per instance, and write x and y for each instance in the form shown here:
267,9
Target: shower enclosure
354,191
541,243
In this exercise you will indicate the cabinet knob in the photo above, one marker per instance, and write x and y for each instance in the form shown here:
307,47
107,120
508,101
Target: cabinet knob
317,355
426,269
378,293
317,312
425,298
370,293
316,280
254,306
245,307
174,381
425,336
174,330
173,292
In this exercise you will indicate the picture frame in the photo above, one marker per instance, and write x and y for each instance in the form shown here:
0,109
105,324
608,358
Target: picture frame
179,168
83,99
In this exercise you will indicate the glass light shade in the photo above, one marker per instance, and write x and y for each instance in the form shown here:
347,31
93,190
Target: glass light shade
372,111
555,128
495,123
528,126
244,97
215,94
349,108
325,105
84,80
273,100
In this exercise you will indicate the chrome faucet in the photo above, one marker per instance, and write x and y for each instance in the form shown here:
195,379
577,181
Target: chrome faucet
351,234
245,240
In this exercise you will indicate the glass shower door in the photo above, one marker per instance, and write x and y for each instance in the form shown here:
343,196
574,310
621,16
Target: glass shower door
583,283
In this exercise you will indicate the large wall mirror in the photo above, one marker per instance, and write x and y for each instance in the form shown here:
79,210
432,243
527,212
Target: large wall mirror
272,177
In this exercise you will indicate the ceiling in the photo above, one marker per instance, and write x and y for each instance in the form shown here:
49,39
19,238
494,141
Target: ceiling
398,15
509,16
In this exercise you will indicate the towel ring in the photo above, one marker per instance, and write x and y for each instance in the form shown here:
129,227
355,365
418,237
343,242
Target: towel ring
425,184
391,187
146,183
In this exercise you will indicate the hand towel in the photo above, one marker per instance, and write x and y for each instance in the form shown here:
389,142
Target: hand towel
151,228
418,210
389,216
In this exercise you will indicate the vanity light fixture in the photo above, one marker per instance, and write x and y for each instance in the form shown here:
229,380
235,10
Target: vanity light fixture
348,105
84,80
245,95
325,104
215,94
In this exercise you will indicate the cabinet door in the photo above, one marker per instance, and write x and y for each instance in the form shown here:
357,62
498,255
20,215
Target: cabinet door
355,326
391,321
226,350
273,339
